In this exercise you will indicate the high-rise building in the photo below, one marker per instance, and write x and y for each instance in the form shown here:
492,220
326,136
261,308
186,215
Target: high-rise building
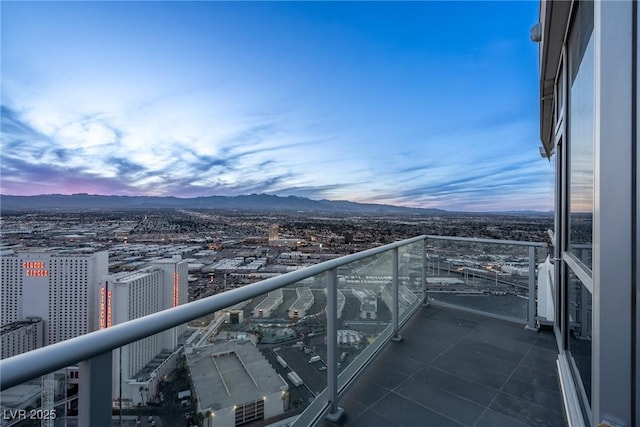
63,290
128,296
273,232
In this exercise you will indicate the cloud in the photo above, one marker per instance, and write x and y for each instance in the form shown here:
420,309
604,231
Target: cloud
261,159
92,150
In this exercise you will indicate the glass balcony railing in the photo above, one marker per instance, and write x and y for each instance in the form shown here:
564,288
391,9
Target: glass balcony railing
495,277
288,346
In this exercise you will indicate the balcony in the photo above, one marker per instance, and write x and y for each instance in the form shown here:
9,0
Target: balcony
432,329
455,368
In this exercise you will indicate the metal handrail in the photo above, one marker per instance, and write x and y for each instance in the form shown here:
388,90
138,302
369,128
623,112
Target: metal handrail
488,241
27,366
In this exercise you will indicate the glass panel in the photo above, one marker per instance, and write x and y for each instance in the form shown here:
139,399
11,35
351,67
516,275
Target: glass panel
26,404
580,324
151,373
237,363
581,136
409,278
483,276
364,286
258,359
290,325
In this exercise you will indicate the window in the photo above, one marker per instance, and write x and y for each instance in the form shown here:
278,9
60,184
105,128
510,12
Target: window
580,140
581,134
580,330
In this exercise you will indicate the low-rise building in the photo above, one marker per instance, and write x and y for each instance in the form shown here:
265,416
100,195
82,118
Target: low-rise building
271,303
235,384
303,303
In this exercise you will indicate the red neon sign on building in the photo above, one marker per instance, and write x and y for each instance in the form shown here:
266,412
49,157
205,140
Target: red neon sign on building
175,289
106,308
109,306
103,310
35,268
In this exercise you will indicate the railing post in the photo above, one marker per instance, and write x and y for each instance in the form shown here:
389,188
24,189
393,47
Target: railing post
423,277
394,293
531,317
335,412
94,391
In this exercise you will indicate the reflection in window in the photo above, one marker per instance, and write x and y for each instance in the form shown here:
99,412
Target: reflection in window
580,326
581,135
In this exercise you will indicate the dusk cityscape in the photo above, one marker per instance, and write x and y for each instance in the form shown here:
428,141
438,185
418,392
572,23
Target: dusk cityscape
297,214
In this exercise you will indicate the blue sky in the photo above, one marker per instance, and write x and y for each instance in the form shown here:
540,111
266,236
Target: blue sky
423,104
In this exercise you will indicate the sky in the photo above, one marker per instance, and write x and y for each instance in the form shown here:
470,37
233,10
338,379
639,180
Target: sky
422,104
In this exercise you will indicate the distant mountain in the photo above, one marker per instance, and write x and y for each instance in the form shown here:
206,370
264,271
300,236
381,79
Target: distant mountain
524,213
249,202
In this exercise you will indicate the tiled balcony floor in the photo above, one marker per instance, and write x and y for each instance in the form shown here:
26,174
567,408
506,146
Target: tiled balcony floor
455,368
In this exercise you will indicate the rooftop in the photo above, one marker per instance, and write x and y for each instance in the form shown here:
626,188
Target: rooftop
14,326
240,374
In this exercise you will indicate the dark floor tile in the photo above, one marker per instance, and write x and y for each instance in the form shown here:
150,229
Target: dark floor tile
410,414
421,348
450,366
534,378
471,372
527,412
428,312
441,331
550,399
513,331
371,419
491,348
398,361
385,376
495,419
440,401
540,359
481,361
505,324
366,392
504,342
351,407
547,341
461,318
456,385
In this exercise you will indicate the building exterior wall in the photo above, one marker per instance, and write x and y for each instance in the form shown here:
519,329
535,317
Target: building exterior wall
135,295
150,386
11,282
589,114
175,276
58,288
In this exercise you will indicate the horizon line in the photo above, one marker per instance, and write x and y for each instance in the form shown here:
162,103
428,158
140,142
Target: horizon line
282,197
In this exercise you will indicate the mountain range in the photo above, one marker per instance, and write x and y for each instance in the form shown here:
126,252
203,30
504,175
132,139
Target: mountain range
251,202
256,202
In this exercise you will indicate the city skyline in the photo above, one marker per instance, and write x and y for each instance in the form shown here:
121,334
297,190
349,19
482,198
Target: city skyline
413,104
